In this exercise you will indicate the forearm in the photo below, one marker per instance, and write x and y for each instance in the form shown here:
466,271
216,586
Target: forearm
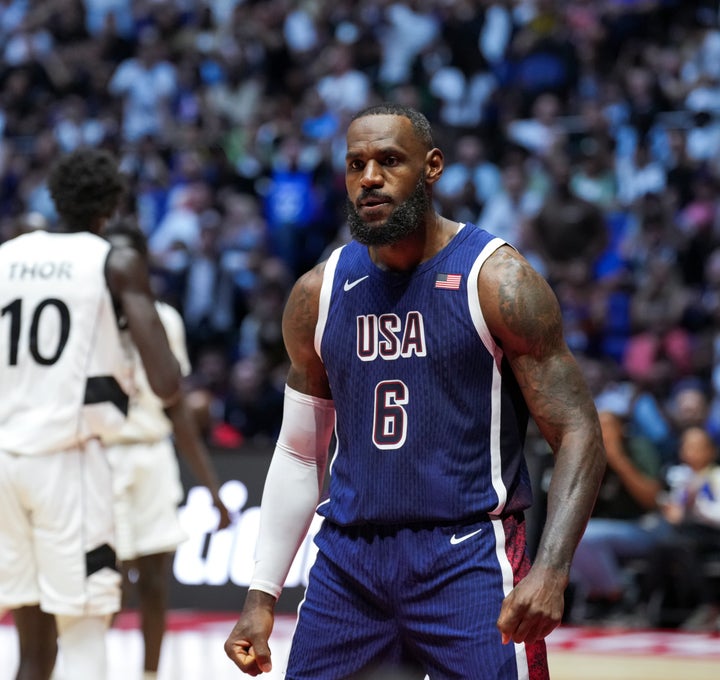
642,488
578,471
190,445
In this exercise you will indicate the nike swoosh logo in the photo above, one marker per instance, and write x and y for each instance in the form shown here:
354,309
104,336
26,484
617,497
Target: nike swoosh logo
454,540
350,285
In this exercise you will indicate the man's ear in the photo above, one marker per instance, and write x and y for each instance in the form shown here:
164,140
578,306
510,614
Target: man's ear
434,164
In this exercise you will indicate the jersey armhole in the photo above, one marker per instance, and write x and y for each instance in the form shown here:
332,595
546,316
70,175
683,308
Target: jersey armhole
474,298
325,295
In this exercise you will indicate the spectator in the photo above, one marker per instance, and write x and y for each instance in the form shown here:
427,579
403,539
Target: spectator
691,506
208,387
99,12
212,303
623,526
406,29
76,126
568,232
508,212
663,409
681,168
179,230
543,58
542,133
343,88
243,237
470,181
592,175
639,175
698,226
293,204
460,78
260,330
145,84
253,405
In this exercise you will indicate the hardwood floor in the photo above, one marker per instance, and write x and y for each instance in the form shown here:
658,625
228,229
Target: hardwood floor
194,651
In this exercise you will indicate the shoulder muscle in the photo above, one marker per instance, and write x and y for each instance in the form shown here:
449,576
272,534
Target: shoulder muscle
520,308
307,373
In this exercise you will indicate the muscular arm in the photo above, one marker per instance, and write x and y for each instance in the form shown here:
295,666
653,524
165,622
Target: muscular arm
294,480
297,470
128,280
191,447
523,315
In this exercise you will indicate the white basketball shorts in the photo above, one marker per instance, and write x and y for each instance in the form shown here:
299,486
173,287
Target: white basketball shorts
56,532
147,491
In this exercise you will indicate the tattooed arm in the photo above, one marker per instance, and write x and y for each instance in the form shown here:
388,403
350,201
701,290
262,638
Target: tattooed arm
523,315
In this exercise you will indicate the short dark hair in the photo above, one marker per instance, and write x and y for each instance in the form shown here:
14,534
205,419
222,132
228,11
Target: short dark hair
128,228
86,186
421,125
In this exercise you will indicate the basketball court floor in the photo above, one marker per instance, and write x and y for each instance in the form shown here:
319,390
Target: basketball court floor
194,651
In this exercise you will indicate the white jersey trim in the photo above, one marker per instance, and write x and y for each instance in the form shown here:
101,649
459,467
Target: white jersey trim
508,583
325,295
496,351
474,298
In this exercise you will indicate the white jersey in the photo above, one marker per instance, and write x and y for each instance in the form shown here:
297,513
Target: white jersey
64,374
146,420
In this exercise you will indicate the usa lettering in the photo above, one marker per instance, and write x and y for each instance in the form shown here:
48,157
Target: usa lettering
390,337
20,271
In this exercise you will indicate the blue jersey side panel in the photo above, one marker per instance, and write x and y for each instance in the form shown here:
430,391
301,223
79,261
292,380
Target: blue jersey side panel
430,421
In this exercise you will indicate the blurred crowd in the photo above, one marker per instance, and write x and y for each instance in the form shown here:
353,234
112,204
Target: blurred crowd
585,132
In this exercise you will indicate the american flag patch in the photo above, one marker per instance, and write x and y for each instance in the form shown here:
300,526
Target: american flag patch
448,281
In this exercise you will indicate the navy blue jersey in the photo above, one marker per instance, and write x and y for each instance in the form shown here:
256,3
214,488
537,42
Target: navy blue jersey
430,420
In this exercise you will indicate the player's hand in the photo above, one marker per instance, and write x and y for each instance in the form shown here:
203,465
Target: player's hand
534,608
247,645
225,516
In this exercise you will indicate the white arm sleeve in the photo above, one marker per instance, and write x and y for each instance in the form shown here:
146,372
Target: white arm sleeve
292,487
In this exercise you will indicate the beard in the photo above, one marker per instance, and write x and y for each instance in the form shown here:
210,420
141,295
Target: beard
405,219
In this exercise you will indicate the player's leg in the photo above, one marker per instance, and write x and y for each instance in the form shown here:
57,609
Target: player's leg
19,580
147,491
37,638
82,640
152,591
79,580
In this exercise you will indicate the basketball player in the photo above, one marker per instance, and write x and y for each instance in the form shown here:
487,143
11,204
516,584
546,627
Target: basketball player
64,379
424,343
146,475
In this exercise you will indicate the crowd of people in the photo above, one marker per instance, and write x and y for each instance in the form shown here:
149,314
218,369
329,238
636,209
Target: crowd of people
586,134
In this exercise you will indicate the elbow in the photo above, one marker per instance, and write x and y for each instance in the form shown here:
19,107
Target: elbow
165,379
169,391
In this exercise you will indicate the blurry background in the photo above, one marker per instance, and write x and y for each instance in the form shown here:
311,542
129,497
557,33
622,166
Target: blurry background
585,132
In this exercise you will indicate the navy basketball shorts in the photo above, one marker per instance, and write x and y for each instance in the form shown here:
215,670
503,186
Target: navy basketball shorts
422,600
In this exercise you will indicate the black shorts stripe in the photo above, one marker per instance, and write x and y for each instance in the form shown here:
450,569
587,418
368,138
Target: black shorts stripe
99,558
104,388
